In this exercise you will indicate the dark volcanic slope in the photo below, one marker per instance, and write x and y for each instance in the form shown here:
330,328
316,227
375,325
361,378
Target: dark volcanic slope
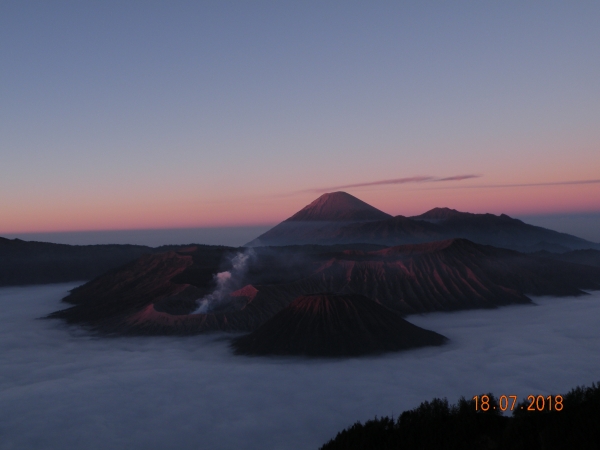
488,229
587,257
317,224
172,280
334,325
449,275
499,231
126,290
156,294
25,262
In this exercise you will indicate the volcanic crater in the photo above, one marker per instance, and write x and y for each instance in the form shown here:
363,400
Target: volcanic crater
326,300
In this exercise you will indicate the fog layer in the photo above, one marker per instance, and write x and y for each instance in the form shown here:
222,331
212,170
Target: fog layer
584,225
61,388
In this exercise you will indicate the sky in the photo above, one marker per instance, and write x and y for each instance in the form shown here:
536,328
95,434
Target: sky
152,115
61,388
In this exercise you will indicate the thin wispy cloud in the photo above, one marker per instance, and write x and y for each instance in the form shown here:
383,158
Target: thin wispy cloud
510,185
415,179
458,178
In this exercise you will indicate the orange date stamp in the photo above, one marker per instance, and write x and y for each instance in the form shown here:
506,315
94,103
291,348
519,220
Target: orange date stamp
509,402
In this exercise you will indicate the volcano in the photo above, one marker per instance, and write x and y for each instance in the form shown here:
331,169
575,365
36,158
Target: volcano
334,325
318,222
338,206
157,293
339,218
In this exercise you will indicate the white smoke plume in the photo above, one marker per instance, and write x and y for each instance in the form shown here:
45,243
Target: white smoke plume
226,283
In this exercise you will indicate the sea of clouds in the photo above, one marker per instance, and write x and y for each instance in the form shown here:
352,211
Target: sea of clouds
62,388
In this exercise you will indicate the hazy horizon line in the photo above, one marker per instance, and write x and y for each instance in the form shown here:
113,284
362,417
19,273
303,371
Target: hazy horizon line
581,224
557,214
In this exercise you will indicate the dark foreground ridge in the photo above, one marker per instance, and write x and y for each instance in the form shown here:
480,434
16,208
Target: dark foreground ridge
334,325
440,426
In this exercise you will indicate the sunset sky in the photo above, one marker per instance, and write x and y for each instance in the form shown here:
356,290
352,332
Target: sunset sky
140,115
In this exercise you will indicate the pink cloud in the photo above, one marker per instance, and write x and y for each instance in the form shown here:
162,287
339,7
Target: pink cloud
415,179
508,185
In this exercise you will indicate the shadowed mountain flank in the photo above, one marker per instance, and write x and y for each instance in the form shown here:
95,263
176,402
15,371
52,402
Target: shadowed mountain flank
586,257
159,294
328,222
500,231
452,275
317,222
31,262
439,214
334,325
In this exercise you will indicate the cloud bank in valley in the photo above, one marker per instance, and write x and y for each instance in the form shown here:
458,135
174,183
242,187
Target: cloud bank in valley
61,388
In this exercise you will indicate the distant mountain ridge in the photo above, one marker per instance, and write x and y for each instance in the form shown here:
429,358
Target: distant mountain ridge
437,214
326,222
32,262
336,218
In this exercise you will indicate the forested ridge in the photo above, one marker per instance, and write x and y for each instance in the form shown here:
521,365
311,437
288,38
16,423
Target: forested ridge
439,425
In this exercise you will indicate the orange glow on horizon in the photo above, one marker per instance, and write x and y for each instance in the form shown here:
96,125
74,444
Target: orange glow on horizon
125,214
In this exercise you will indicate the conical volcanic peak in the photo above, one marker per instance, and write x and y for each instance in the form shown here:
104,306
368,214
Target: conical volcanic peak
331,324
338,206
